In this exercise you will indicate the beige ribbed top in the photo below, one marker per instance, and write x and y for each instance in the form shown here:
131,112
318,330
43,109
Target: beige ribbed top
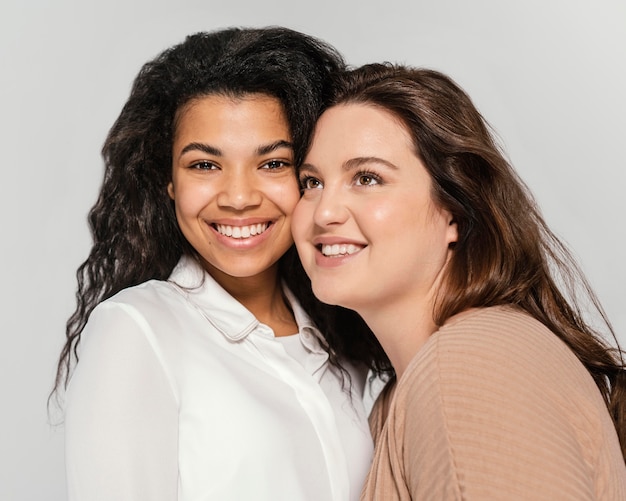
494,407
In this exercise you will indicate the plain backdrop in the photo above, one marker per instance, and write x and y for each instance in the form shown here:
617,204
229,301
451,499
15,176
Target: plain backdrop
549,75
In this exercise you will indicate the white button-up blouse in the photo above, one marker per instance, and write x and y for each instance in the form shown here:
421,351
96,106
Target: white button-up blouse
180,393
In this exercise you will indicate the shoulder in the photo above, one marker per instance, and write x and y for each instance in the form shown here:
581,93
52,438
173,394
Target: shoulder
497,359
152,292
142,316
497,328
154,301
506,398
161,295
133,306
496,340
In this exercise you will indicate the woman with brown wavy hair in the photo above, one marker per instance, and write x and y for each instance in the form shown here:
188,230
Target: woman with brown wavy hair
412,216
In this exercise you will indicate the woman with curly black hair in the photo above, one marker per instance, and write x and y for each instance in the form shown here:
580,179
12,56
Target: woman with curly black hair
205,367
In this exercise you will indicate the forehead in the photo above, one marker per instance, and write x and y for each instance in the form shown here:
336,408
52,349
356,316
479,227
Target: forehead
217,109
234,122
361,128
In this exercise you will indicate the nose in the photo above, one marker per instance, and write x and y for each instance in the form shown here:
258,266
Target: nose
239,191
330,209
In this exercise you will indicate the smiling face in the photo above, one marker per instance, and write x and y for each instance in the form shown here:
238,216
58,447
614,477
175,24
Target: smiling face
366,227
233,183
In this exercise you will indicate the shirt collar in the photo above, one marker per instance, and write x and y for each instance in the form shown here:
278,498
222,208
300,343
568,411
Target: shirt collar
223,311
227,314
310,335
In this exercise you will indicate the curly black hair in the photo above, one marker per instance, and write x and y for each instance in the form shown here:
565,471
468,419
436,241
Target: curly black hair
133,225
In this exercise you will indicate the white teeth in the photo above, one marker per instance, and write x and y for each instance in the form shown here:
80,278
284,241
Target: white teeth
241,231
339,249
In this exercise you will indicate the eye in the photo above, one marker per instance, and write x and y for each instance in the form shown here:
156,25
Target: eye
310,183
204,165
275,164
367,179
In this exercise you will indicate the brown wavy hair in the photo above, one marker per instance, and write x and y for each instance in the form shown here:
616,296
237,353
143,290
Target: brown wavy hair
505,253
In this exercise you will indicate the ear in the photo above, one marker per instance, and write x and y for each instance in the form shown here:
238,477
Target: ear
170,190
452,234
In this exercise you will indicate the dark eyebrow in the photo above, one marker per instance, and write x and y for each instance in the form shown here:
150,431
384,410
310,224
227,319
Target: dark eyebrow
309,167
355,163
206,148
212,150
352,164
281,143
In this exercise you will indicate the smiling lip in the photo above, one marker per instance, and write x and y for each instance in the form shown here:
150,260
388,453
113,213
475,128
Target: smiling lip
338,250
246,231
242,234
333,251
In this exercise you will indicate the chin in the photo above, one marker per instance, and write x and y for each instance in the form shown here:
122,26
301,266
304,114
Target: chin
330,294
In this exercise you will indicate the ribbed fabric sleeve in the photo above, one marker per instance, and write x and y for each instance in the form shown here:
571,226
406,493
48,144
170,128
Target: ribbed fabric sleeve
495,407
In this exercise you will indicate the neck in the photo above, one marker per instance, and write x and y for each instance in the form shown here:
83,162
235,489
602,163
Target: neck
262,295
402,330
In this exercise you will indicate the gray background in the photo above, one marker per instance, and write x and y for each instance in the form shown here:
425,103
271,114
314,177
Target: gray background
548,74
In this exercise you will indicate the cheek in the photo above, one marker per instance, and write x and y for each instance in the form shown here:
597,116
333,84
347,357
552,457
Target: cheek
400,218
383,213
191,198
285,195
302,216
